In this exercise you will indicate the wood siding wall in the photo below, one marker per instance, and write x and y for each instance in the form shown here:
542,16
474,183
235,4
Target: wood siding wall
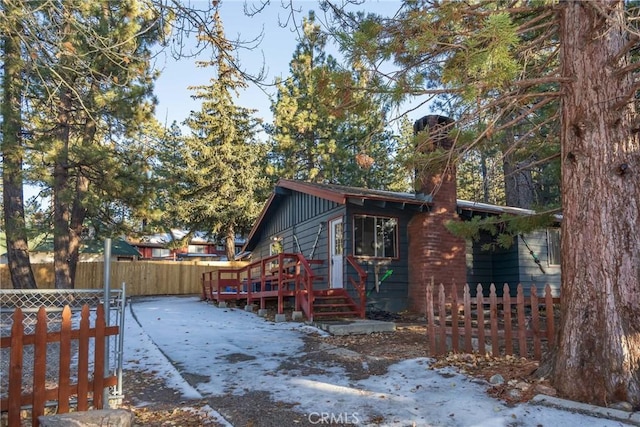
141,278
512,265
392,294
297,221
530,272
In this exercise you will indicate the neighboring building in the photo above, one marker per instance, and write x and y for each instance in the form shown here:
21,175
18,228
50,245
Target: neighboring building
200,247
90,251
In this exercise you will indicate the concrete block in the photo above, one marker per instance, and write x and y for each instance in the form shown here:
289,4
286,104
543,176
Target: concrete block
97,418
632,418
262,312
355,327
296,315
222,304
280,318
249,307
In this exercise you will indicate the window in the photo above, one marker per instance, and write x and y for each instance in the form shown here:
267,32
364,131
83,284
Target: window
160,253
375,236
276,246
196,249
553,246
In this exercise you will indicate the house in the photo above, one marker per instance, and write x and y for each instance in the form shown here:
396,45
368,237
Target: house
400,240
326,223
199,247
90,251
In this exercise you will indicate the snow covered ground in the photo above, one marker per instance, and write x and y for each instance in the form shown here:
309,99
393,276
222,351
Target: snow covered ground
233,351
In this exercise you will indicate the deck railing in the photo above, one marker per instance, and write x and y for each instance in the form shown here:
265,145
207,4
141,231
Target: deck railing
359,284
280,276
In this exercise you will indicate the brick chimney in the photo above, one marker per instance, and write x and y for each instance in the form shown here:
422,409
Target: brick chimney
433,251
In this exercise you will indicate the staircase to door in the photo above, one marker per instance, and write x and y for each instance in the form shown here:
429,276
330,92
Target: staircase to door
335,302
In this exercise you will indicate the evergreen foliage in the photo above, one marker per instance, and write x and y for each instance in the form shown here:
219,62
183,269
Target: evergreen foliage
221,162
327,127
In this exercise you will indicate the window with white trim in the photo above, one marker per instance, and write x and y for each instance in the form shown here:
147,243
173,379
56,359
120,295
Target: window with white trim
197,249
160,253
553,246
375,236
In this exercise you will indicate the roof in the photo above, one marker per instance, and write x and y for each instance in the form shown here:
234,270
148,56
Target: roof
161,239
342,194
118,248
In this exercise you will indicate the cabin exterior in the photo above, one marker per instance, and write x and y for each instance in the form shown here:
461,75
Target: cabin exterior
199,247
90,251
533,259
311,238
328,223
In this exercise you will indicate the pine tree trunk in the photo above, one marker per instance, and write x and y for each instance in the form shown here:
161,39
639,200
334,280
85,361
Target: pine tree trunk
12,156
598,353
230,243
61,189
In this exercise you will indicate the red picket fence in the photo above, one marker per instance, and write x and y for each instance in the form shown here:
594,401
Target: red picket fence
88,385
490,324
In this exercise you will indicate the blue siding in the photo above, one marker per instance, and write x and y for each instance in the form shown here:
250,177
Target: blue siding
297,221
532,274
513,266
392,294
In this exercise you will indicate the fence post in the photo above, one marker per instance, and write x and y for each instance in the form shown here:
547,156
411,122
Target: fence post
454,318
506,305
480,310
83,360
468,347
39,366
15,368
535,323
442,317
98,364
493,316
522,327
431,330
64,379
550,316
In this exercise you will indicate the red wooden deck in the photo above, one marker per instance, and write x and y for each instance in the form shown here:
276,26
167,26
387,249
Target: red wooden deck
288,275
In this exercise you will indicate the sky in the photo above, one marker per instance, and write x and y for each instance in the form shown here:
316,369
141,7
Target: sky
165,330
274,52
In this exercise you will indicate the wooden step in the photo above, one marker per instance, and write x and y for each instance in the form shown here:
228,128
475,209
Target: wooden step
330,292
346,304
335,313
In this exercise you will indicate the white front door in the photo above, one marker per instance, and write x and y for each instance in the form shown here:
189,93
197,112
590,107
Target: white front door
336,238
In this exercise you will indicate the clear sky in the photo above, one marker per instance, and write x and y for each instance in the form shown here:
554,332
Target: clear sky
274,52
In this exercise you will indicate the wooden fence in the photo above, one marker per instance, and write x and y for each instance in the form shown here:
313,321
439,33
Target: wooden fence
87,386
490,324
141,277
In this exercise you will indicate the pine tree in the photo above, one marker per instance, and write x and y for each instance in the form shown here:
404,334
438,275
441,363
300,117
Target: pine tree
92,64
13,151
326,127
223,162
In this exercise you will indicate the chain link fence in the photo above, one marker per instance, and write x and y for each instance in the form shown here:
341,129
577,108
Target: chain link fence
54,301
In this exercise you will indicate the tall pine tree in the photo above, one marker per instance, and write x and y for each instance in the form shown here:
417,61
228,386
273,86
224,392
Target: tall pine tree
327,128
223,161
